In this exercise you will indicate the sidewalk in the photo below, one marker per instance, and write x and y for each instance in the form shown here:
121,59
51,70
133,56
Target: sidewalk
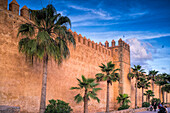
152,111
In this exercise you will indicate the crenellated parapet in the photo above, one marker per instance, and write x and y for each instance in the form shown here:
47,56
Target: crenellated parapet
91,44
14,8
124,44
24,12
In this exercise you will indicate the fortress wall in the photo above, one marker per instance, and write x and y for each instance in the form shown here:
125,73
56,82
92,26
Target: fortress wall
21,81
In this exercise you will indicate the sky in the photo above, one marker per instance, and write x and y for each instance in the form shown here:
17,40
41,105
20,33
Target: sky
144,24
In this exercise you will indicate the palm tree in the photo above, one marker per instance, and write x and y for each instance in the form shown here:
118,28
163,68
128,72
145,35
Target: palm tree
47,36
109,76
152,75
148,94
136,73
144,84
163,81
123,99
89,91
159,82
166,86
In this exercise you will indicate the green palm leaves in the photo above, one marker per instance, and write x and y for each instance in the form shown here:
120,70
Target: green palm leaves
152,74
88,85
143,83
149,93
136,72
51,37
123,99
110,73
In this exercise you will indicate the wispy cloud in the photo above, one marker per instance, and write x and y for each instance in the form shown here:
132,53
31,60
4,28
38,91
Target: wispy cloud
92,14
109,35
98,12
138,14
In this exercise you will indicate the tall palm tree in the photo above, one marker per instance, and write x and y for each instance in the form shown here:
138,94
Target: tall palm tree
163,80
152,75
123,99
89,91
159,82
47,36
109,76
149,94
166,86
144,84
136,73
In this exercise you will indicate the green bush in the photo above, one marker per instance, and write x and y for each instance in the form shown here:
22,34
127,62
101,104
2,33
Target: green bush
58,107
145,104
157,100
123,107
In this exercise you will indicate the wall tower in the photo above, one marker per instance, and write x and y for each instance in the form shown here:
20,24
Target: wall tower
121,57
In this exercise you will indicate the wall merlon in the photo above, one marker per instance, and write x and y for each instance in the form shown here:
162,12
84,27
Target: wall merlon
80,38
14,7
85,41
113,43
93,45
89,43
120,42
24,11
70,30
106,44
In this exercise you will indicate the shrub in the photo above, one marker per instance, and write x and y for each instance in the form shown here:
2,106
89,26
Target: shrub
58,107
123,107
145,104
157,100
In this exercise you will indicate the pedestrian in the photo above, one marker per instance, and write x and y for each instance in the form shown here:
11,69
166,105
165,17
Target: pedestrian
151,107
166,109
154,106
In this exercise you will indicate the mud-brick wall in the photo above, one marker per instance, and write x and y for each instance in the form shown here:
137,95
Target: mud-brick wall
139,94
20,83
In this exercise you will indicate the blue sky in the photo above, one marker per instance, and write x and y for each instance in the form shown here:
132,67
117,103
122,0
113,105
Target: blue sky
144,24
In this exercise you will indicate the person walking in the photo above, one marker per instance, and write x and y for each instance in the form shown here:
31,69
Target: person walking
154,106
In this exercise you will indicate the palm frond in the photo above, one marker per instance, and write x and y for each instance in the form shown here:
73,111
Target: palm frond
26,30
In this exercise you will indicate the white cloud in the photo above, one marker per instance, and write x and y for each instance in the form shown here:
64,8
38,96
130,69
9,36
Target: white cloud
138,50
139,54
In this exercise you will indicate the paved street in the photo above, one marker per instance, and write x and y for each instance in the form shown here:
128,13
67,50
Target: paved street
152,111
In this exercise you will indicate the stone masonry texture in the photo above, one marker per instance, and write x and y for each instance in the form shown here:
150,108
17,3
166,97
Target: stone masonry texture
20,81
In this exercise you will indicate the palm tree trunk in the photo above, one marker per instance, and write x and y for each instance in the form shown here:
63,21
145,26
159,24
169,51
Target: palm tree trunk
136,94
166,97
107,100
149,99
142,95
159,92
44,84
153,86
85,102
163,96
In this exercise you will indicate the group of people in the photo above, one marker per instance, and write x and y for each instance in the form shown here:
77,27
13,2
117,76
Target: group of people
161,108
